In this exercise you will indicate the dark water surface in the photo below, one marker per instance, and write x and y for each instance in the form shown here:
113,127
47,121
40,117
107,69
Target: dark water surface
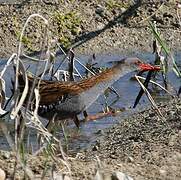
126,88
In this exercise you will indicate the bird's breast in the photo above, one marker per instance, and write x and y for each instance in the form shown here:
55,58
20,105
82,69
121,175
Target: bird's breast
71,106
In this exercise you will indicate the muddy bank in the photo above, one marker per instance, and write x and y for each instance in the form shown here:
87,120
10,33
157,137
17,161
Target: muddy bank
142,146
91,27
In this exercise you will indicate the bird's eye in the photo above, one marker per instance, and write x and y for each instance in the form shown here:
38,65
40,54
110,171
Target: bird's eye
137,62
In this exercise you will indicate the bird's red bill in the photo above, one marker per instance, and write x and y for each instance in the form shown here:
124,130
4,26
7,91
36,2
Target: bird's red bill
149,67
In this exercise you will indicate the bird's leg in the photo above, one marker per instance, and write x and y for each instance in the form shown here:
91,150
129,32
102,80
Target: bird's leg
71,65
76,121
85,114
99,115
51,124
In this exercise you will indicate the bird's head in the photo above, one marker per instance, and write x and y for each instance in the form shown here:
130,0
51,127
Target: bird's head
137,64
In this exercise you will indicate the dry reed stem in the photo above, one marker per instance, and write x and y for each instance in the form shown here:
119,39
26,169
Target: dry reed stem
153,82
2,84
149,97
77,60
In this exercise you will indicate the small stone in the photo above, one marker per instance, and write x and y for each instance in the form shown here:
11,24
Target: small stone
123,9
120,176
6,154
66,177
171,113
113,156
60,176
100,26
172,140
50,2
179,132
100,10
178,5
2,174
102,175
95,148
162,171
130,159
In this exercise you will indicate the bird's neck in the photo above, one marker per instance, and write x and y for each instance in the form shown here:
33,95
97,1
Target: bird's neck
96,85
108,77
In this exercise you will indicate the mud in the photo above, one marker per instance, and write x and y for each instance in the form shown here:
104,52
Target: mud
100,27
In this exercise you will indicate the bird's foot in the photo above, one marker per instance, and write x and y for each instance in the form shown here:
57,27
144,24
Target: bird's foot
99,115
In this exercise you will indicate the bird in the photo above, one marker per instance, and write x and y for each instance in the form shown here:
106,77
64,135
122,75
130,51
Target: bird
68,99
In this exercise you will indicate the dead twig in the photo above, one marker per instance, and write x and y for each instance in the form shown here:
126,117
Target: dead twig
149,97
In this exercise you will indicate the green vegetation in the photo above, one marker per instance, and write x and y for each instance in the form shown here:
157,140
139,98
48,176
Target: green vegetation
114,4
68,26
26,41
165,49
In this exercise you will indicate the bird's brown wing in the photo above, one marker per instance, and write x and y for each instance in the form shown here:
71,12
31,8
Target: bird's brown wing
53,91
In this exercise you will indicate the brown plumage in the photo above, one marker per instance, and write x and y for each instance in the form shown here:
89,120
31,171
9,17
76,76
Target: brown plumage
51,91
74,97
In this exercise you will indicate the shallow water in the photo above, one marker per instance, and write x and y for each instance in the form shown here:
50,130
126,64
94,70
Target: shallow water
126,88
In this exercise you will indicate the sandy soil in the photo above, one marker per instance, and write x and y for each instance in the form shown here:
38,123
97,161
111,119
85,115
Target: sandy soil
143,146
101,28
